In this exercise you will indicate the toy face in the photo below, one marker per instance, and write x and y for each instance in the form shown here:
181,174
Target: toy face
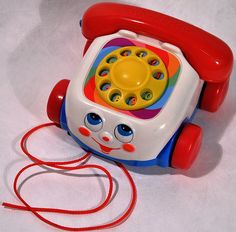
112,135
107,141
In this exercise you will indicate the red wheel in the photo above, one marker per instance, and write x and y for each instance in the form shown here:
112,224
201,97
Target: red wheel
187,147
213,96
55,100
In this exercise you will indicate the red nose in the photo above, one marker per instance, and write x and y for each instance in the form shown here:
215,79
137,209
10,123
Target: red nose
105,138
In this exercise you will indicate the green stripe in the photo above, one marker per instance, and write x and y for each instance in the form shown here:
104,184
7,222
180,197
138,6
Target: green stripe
90,75
173,80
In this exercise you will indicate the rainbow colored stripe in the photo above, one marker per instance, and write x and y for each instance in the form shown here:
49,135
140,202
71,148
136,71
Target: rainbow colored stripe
171,62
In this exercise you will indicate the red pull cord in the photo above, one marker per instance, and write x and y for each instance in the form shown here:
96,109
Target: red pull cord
63,166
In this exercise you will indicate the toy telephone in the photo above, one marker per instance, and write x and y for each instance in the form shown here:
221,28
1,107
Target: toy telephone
142,77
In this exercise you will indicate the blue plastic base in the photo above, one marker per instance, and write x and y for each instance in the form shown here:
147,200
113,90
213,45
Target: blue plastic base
163,158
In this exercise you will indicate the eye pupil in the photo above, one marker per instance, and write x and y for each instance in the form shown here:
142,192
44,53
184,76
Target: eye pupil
94,118
124,130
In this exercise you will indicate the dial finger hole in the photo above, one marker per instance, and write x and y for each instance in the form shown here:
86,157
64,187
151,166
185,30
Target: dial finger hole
126,53
111,60
131,101
153,62
115,96
104,72
158,75
147,95
105,86
141,54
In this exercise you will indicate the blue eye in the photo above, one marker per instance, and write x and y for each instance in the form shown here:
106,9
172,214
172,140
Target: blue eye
124,133
93,122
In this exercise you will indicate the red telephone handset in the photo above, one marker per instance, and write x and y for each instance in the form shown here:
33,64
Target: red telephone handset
208,55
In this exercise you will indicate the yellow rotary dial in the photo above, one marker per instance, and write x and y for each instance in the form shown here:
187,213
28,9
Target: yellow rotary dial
131,78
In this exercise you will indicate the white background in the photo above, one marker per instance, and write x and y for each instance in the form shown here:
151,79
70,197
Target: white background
40,43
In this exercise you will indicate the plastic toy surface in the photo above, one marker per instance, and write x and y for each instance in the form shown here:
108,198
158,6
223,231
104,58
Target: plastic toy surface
142,77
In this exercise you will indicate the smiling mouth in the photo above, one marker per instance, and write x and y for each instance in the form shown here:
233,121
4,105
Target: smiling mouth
104,148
